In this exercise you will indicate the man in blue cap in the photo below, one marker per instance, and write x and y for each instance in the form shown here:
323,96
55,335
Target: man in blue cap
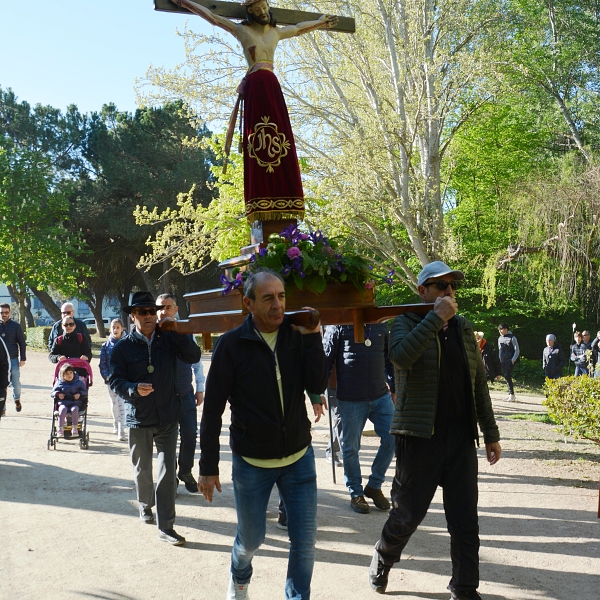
441,395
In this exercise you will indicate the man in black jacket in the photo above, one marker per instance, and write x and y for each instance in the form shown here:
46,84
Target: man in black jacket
12,336
263,368
364,377
143,371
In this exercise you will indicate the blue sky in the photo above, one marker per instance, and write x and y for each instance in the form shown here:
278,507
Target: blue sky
87,53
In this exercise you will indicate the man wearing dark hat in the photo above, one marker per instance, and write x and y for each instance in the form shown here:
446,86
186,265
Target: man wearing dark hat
441,395
143,371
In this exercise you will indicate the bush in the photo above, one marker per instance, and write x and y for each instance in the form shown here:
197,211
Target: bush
574,403
37,337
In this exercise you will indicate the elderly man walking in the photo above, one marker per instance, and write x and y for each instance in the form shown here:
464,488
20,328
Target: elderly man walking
441,395
263,368
143,371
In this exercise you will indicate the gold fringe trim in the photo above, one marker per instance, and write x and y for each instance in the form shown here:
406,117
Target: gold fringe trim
270,215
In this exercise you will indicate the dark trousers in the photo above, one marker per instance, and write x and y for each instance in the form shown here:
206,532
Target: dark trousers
141,442
447,459
188,434
507,369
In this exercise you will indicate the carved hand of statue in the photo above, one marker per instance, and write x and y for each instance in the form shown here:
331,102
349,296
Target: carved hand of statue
328,21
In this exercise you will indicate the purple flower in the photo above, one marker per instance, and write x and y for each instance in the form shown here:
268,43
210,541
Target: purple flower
289,232
231,285
293,252
262,252
286,270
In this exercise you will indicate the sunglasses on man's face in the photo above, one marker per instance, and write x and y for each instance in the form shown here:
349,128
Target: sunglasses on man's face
443,285
142,312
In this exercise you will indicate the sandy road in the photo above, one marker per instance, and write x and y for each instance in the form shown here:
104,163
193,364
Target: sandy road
69,527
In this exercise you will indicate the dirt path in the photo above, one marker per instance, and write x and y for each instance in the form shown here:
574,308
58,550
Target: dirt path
69,527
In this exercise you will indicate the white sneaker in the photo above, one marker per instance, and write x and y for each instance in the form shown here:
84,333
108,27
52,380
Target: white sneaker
74,432
511,398
237,591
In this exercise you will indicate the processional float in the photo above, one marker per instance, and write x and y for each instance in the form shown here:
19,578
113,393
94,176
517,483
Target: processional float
272,185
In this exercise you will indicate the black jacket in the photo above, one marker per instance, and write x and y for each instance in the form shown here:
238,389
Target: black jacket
4,369
12,334
553,361
493,368
70,346
80,327
129,363
243,371
363,372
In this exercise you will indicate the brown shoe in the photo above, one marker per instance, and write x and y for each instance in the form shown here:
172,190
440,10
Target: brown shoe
359,505
379,500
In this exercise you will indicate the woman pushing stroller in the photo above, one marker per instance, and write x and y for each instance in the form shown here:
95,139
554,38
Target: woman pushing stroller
71,392
71,344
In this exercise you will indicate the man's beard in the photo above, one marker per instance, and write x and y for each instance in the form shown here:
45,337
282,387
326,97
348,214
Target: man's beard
259,19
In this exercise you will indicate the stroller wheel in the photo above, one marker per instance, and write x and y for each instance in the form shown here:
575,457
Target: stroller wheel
49,444
54,443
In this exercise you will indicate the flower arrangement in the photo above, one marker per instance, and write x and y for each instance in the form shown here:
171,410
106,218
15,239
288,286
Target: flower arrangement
308,261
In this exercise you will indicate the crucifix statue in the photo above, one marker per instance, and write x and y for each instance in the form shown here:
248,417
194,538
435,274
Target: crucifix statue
272,182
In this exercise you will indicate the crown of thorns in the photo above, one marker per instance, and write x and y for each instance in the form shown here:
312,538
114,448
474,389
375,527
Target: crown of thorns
249,2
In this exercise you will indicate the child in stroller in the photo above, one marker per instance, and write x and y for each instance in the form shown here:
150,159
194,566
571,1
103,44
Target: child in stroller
70,394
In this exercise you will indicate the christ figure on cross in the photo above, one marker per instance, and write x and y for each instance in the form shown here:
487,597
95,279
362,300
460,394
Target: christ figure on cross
272,183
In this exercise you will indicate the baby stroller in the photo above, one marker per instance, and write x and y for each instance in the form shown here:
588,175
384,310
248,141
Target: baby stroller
84,371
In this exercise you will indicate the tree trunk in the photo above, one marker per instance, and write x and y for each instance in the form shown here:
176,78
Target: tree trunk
48,303
123,296
28,314
20,299
96,308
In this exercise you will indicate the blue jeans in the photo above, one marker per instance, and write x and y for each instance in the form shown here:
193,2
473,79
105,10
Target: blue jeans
15,378
354,416
297,485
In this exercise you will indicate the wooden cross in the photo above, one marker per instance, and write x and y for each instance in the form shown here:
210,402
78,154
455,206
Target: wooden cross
234,10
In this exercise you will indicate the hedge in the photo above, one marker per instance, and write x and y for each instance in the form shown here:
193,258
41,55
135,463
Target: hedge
37,337
574,403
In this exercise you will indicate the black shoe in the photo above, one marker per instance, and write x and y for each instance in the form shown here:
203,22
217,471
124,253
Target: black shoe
170,536
359,505
191,485
379,500
18,406
465,595
378,574
146,515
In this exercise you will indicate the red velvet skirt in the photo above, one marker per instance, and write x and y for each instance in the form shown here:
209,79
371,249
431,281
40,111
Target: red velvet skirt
272,184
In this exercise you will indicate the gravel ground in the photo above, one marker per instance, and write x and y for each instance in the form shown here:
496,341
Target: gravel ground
70,530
